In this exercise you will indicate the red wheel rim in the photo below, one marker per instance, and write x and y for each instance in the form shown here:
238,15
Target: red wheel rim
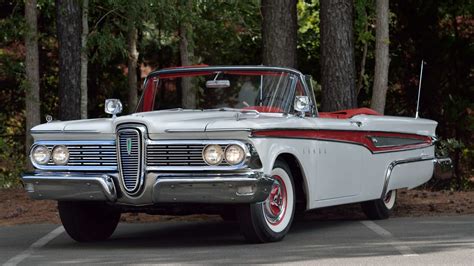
276,204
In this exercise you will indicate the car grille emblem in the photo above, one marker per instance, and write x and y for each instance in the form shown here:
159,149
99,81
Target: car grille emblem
129,146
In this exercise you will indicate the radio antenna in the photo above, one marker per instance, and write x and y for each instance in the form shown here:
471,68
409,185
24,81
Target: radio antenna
419,89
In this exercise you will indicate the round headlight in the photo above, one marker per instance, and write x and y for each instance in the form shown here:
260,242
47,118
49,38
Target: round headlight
41,154
60,155
234,154
213,154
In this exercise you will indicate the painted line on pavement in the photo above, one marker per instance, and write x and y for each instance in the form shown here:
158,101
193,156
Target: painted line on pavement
403,249
37,245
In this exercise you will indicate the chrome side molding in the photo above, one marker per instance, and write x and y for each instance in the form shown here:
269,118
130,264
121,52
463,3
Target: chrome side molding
443,168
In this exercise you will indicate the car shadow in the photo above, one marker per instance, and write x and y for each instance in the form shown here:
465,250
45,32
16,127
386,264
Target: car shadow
314,236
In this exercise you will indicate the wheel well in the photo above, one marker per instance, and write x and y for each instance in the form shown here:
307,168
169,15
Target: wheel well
298,178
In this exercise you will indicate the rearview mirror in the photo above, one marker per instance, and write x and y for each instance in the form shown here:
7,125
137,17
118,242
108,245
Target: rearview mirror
218,84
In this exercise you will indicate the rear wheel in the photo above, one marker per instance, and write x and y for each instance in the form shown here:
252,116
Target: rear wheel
269,221
380,208
88,221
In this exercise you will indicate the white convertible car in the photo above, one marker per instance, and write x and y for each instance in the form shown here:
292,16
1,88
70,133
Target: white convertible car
246,142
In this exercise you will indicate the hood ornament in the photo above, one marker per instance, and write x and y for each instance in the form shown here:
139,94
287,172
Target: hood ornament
49,118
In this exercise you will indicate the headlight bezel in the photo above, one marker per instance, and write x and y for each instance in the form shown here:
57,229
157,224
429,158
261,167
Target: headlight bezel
224,163
35,160
242,154
55,150
217,148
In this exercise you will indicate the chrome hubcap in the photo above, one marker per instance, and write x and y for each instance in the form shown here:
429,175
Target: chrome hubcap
275,205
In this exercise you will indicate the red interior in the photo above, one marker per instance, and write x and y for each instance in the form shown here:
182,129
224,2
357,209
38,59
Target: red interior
149,97
345,114
264,109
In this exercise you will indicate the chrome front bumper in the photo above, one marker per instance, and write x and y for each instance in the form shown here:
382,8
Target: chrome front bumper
247,187
70,186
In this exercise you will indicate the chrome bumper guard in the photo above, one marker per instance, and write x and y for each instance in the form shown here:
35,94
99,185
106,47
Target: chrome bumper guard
212,188
443,168
70,186
248,187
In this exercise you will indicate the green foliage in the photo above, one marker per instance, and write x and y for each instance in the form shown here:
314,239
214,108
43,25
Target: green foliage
228,32
447,147
12,155
308,37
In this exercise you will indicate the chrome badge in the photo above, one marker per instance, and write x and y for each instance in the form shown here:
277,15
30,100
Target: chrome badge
129,146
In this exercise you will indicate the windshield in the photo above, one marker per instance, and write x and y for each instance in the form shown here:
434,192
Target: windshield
260,90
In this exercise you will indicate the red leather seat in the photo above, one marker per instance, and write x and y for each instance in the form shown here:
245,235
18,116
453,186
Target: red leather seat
264,109
346,114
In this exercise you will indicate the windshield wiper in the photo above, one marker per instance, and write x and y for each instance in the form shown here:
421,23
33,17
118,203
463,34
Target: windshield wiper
228,109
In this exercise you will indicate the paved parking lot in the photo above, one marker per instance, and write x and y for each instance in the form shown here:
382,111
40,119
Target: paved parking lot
426,240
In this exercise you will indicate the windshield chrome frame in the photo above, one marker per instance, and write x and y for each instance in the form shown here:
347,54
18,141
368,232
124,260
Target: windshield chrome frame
292,71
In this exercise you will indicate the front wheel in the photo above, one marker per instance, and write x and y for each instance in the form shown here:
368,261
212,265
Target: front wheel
380,208
269,221
88,221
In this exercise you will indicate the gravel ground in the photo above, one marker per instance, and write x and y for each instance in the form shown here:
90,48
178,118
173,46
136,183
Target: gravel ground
16,208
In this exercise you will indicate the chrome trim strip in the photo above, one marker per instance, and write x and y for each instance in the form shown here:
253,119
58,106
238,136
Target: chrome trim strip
75,142
205,131
76,168
375,141
192,142
66,132
443,168
392,165
223,68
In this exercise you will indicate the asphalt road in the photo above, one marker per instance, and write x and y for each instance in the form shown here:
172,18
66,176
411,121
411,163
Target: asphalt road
428,240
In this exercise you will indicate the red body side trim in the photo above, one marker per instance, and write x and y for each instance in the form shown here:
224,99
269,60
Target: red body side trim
355,137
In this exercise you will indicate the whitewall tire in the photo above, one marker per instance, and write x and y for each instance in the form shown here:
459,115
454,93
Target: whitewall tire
380,208
271,220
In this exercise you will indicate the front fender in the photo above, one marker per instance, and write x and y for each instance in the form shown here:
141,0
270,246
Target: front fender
269,149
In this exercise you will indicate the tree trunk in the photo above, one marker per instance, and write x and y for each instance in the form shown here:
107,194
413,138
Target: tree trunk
279,32
360,82
69,26
337,55
84,60
132,67
32,98
186,52
382,59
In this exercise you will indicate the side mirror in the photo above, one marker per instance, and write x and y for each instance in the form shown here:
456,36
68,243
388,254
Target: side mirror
113,107
301,105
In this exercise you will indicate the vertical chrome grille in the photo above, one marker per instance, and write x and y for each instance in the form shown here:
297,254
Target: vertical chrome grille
129,146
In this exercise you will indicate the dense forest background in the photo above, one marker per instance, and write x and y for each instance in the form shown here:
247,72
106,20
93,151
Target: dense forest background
125,40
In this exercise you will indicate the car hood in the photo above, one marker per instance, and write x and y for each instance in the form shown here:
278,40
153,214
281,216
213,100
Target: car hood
160,122
194,120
